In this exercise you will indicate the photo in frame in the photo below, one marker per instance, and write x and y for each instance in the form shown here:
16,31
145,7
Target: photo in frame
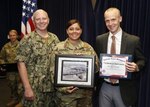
113,66
74,70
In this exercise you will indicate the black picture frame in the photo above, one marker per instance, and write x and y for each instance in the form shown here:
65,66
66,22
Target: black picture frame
74,70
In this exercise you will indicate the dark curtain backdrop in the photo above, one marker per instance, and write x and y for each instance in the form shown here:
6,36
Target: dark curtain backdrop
10,12
61,11
136,15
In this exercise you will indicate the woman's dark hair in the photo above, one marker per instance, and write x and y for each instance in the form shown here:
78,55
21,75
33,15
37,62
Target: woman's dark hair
73,21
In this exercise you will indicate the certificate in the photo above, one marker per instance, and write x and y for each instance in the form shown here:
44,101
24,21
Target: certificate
113,65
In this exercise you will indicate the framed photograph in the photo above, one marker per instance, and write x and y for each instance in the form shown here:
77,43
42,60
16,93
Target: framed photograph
113,65
74,70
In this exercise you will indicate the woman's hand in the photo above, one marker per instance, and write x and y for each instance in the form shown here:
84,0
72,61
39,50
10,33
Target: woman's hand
71,89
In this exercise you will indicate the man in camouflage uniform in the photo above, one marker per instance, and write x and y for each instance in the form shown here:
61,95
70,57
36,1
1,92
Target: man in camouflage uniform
7,56
33,56
73,96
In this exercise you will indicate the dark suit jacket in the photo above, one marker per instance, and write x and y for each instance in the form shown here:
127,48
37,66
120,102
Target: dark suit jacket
130,45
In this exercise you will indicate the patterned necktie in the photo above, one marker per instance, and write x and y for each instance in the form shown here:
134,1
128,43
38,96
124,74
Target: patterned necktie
113,45
113,51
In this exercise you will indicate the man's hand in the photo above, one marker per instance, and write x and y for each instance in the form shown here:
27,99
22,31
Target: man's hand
132,67
29,95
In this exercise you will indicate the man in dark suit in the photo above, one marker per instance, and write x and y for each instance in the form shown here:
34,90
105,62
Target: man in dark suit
119,92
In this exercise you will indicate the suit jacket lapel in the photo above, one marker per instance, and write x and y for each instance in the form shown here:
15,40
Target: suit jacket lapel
105,42
123,43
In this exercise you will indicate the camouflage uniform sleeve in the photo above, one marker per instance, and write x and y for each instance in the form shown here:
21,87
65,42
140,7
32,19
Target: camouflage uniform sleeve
56,51
2,55
97,66
62,89
1,61
52,66
23,49
97,63
55,38
52,58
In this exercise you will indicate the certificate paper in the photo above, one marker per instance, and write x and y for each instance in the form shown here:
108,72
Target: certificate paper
113,65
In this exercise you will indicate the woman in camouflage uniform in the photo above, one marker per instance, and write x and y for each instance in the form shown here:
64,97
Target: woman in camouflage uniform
33,56
74,96
7,56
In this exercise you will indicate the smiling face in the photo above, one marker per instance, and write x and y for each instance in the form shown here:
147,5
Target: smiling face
41,20
13,35
74,32
112,20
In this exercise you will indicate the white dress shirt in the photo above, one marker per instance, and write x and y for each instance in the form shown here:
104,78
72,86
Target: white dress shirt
118,37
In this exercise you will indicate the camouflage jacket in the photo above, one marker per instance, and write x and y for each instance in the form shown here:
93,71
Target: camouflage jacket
8,52
35,52
82,48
